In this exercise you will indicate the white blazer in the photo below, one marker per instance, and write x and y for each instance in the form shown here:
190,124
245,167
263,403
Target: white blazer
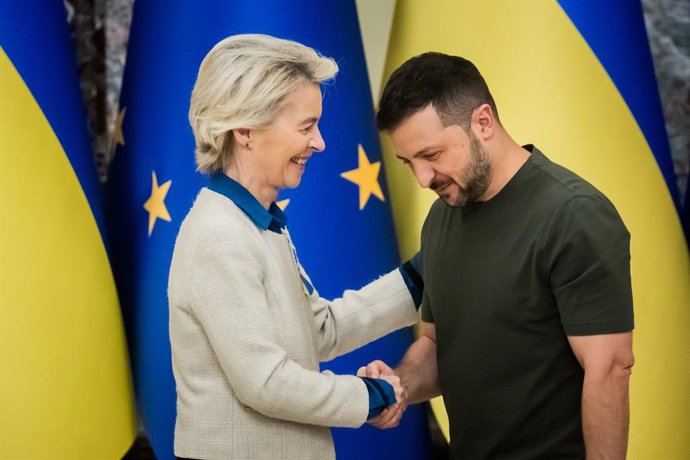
247,340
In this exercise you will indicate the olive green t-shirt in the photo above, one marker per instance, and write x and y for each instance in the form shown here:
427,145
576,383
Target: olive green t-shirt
506,281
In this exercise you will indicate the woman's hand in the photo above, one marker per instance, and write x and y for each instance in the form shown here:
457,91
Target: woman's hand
391,416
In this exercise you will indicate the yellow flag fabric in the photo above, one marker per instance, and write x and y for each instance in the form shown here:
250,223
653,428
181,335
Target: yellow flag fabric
552,90
65,390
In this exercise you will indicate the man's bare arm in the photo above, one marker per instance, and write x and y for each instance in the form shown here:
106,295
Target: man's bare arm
607,360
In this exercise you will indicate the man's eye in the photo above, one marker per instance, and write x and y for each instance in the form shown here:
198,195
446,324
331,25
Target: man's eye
431,156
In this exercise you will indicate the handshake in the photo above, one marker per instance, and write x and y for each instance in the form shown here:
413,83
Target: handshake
391,416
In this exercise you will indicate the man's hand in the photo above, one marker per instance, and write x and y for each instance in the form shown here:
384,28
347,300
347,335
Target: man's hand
391,416
418,375
375,369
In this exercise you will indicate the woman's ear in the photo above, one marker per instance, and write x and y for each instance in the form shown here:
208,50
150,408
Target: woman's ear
243,137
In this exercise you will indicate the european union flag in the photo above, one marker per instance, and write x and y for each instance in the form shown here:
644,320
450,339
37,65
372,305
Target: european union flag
339,216
65,389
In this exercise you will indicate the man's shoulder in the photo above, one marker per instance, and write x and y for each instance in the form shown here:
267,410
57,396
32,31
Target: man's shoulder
572,198
562,185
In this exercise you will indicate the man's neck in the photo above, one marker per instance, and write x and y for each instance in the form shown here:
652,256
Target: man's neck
506,160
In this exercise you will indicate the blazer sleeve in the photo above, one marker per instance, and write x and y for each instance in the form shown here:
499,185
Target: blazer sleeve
230,302
362,316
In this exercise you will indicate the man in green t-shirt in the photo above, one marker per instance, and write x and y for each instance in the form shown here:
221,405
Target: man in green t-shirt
527,314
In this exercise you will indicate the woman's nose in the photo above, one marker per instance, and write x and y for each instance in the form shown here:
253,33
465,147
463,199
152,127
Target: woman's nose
317,143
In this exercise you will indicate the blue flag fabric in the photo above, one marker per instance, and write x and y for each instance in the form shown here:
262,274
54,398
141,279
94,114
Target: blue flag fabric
339,216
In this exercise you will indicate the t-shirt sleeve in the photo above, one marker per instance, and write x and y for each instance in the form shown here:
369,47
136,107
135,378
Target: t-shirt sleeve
427,316
425,308
590,268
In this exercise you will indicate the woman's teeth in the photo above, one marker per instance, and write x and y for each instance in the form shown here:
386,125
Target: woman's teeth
299,161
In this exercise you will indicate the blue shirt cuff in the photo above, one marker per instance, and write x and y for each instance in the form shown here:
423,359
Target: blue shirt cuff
381,395
413,280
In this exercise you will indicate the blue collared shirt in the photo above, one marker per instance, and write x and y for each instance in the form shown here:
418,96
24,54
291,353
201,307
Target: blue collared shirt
273,218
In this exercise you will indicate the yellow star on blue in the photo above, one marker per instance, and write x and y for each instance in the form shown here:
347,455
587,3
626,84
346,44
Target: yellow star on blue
155,205
366,176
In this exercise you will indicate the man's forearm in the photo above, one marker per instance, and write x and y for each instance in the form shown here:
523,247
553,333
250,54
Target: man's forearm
418,371
606,415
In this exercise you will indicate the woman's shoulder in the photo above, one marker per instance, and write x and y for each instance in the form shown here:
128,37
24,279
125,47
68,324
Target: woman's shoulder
215,216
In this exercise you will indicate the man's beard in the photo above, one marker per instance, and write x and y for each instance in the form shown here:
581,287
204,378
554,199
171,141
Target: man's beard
477,175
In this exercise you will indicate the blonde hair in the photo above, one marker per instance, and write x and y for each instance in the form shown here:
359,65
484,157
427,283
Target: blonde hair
242,83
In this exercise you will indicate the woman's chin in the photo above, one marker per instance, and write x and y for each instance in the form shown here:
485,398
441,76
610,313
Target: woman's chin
293,180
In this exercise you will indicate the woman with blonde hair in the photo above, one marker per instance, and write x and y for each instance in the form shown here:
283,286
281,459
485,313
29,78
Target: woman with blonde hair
247,328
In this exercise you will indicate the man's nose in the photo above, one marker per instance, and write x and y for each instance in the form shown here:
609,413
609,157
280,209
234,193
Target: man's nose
424,174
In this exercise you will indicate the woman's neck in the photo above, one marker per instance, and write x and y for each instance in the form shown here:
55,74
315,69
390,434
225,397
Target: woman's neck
255,183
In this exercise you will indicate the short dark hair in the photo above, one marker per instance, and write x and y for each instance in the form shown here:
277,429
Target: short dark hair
453,85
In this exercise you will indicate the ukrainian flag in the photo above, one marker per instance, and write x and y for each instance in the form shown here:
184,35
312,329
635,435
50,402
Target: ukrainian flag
339,216
65,388
576,78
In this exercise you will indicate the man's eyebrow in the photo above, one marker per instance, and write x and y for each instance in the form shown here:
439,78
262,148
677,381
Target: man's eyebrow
424,151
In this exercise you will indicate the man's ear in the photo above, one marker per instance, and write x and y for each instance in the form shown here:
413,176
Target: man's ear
484,119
